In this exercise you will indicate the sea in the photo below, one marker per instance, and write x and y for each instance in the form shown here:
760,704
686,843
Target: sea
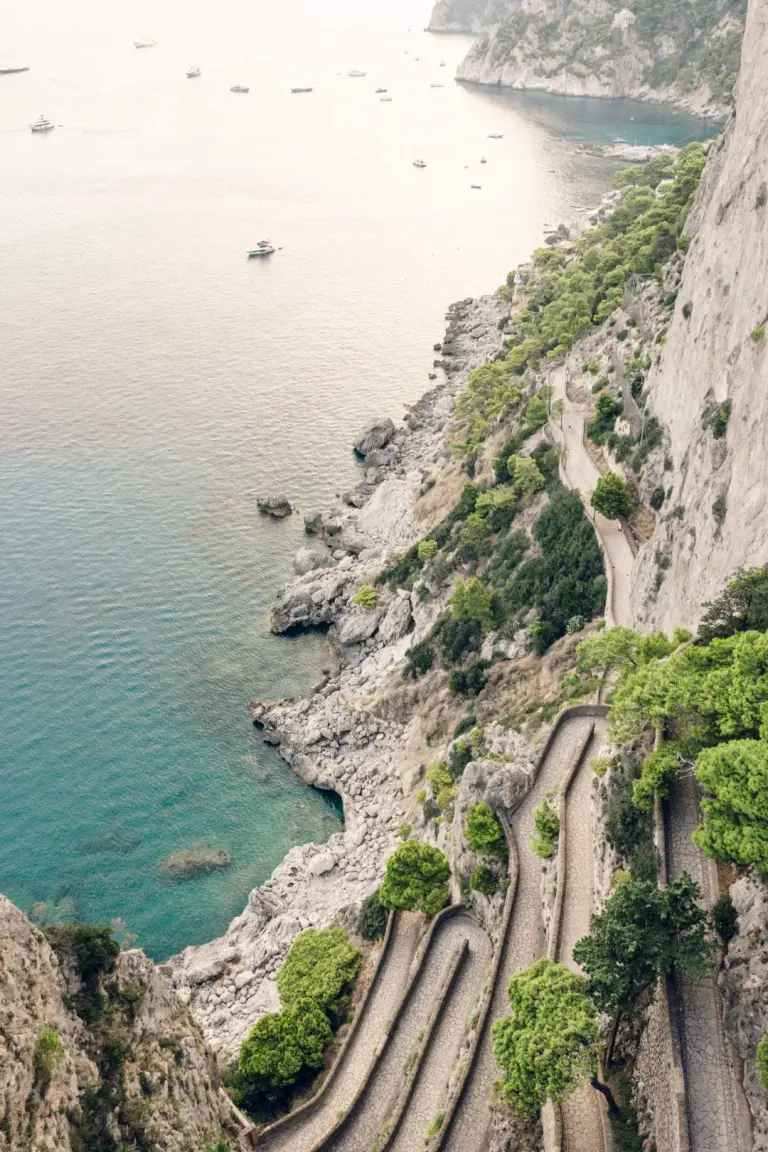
154,382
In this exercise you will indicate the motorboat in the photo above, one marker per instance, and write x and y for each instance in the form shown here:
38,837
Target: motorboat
379,91
13,71
495,135
355,74
42,125
263,248
385,99
419,163
295,90
239,88
193,72
442,63
483,160
437,85
144,43
478,186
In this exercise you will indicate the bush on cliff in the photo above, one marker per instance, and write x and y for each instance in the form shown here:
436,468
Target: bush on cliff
320,967
546,829
416,879
742,607
372,921
281,1049
611,497
483,832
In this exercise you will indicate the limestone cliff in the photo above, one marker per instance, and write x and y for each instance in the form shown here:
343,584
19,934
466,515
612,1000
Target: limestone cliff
682,54
710,390
104,1060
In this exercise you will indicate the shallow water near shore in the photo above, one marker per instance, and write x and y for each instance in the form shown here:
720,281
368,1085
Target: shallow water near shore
153,381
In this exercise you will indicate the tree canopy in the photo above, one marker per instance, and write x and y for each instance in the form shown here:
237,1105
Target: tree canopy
547,1046
734,777
611,497
416,879
280,1048
640,934
483,832
320,967
742,607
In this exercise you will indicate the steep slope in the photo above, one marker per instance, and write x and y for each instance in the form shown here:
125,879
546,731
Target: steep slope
109,1061
710,390
683,54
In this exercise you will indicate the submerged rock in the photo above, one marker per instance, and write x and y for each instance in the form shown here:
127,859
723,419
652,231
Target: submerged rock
375,434
309,559
276,506
188,862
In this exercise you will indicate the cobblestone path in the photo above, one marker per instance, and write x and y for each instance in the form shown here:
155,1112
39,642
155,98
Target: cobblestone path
307,1131
715,1102
524,943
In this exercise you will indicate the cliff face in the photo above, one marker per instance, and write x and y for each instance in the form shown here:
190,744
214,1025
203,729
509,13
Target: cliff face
710,390
686,55
133,1071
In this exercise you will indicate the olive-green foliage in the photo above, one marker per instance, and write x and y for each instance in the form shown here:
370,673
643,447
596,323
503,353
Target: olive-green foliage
622,649
734,777
611,497
483,832
320,967
536,414
571,296
281,1048
441,784
526,476
427,549
606,410
471,602
546,827
483,880
94,952
762,1062
365,597
476,534
742,607
471,680
420,659
547,1046
658,770
640,934
49,1051
372,921
725,919
629,830
460,755
567,579
416,879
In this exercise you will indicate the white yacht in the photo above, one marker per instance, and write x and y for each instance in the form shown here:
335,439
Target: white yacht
263,248
42,125
193,72
419,163
144,43
355,74
239,88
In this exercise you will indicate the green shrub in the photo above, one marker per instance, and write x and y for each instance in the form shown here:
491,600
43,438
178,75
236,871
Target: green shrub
757,334
725,919
427,549
94,952
483,881
471,603
404,831
546,827
657,499
471,680
460,755
321,967
365,597
416,878
611,497
281,1048
761,1062
49,1051
420,659
575,624
742,607
372,921
536,414
483,832
734,777
434,1127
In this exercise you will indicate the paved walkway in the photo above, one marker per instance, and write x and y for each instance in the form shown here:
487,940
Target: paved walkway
582,474
717,1110
370,1116
302,1135
582,1125
525,942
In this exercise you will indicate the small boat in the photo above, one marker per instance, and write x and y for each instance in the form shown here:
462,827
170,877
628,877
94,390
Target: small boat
495,135
416,58
12,71
442,63
437,85
483,160
263,248
295,90
419,164
239,88
478,186
378,91
42,125
385,99
193,72
355,74
144,43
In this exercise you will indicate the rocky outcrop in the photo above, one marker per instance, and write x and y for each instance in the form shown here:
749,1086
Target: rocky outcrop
375,436
603,48
744,984
276,506
57,1086
710,390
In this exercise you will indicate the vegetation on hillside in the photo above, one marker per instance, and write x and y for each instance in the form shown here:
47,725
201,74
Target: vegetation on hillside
416,879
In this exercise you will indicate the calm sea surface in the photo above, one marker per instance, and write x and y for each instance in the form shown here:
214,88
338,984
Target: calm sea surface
153,381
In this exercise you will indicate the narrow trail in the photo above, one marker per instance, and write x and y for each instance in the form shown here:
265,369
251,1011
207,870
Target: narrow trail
582,1124
369,1117
431,1087
581,473
302,1134
718,1114
525,942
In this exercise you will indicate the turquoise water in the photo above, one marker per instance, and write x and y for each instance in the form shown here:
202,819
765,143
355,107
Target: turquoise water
153,381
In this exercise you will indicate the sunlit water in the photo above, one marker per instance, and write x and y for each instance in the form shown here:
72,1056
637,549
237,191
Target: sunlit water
154,381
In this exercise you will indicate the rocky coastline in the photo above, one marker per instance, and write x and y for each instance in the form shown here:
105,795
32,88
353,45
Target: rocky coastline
345,736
